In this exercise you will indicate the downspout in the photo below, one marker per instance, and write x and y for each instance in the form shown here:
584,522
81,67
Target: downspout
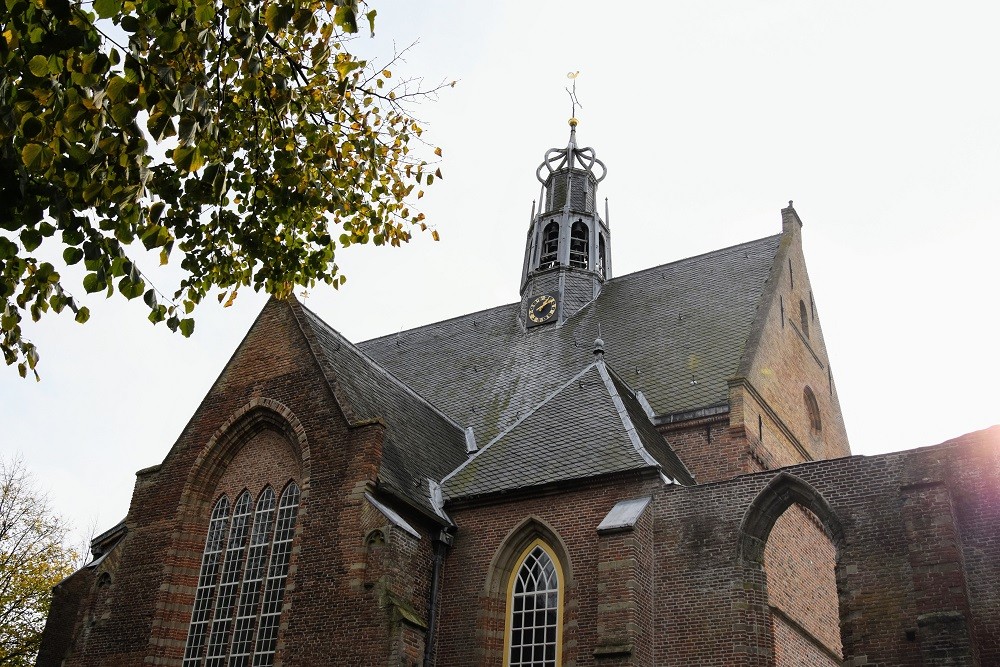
441,544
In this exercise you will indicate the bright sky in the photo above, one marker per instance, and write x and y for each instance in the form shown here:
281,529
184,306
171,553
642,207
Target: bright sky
881,120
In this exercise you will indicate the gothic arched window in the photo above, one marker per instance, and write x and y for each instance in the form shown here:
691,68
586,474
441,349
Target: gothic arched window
534,609
241,584
579,245
550,246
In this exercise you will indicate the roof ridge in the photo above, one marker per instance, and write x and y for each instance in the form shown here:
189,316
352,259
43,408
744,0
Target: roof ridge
449,319
589,303
378,367
519,421
717,251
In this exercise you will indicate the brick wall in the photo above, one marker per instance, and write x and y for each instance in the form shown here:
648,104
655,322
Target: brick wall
799,562
477,568
244,435
787,357
712,605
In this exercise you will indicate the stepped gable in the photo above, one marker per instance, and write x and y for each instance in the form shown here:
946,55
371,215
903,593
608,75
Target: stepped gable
421,443
584,429
676,332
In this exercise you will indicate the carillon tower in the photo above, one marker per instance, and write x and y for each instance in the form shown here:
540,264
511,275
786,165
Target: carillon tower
567,257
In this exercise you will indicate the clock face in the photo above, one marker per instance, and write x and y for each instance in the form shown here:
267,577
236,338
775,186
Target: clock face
542,309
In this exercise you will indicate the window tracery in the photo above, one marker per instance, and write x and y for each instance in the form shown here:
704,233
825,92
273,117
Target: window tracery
534,604
241,582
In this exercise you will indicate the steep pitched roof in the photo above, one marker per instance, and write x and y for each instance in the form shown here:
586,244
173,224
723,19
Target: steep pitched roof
676,332
591,425
421,443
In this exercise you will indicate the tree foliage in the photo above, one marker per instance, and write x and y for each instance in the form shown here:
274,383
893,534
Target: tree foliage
238,135
33,559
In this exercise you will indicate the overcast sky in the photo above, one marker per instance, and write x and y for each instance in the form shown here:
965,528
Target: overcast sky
881,120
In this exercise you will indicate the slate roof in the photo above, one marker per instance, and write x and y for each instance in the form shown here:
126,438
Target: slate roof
421,443
591,425
676,332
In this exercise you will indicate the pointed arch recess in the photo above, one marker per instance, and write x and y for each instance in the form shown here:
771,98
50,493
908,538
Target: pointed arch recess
515,545
256,415
781,493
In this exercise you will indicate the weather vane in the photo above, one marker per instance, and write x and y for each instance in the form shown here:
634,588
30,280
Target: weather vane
572,93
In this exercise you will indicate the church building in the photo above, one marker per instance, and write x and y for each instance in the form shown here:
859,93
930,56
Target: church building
646,469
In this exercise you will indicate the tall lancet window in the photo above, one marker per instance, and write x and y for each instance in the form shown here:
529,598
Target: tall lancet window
534,603
550,246
241,584
579,245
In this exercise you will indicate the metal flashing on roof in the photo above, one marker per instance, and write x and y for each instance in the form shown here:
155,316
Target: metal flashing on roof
623,415
392,516
437,500
470,440
624,515
647,408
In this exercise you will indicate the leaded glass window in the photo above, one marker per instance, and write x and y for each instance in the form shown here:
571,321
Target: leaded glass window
274,591
534,611
241,583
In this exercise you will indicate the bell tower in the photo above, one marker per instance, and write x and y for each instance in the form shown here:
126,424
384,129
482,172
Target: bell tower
567,256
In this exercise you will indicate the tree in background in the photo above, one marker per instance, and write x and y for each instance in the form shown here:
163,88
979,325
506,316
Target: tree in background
239,135
33,559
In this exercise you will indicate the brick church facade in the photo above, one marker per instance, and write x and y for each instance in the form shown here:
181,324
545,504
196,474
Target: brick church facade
649,469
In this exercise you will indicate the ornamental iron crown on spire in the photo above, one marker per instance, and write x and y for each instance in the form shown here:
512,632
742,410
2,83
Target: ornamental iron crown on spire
568,176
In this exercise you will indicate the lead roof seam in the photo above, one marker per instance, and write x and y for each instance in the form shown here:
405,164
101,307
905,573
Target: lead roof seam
406,388
518,422
623,415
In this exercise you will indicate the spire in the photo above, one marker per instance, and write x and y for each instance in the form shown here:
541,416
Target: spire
568,253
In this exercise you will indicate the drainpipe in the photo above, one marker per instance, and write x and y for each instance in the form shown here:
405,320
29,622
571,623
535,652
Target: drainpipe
441,544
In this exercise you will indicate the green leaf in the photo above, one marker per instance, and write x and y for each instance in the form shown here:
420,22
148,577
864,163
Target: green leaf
82,315
92,283
107,8
188,158
346,18
31,238
7,248
114,88
131,289
72,255
277,16
187,327
371,20
39,66
35,157
160,126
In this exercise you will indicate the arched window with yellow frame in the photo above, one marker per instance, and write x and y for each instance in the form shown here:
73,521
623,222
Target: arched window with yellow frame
533,636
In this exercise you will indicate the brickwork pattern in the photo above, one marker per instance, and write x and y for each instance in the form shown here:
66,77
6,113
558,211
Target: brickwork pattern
786,358
799,563
473,595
